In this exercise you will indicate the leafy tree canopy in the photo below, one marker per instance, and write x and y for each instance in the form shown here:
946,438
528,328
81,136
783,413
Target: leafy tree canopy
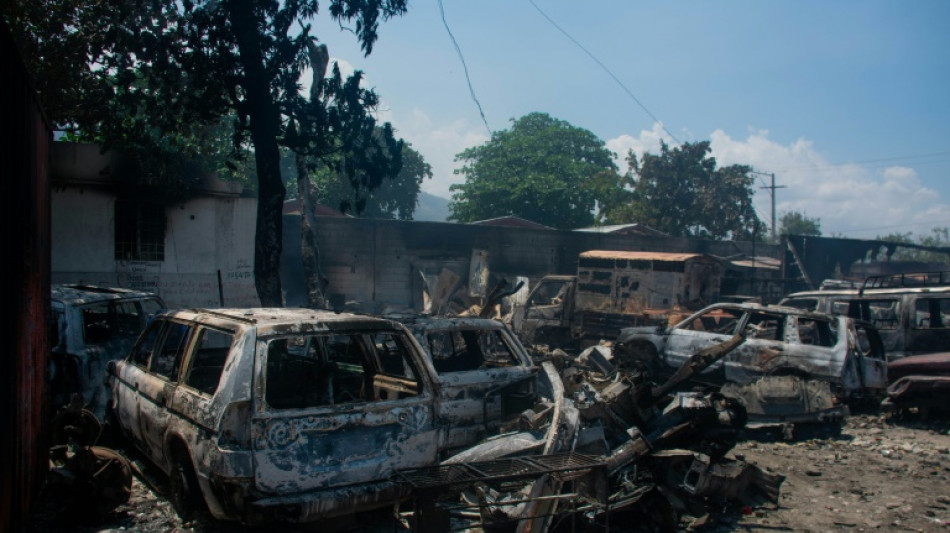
681,191
795,223
136,71
395,198
541,169
939,237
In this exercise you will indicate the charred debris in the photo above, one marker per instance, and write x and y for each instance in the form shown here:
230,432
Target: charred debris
603,445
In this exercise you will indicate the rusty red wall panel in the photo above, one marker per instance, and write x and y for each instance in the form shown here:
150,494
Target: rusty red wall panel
25,295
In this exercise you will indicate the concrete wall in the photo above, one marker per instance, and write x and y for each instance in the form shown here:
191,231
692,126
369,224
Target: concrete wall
377,262
204,236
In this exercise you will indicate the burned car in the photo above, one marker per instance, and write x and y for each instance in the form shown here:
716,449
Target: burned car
299,415
911,311
485,376
793,366
921,382
90,326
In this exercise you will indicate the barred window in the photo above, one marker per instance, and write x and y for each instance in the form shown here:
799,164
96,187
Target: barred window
139,231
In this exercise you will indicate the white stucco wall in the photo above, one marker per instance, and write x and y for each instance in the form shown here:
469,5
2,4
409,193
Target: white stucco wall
204,237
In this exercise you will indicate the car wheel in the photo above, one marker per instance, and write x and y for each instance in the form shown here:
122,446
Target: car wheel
185,494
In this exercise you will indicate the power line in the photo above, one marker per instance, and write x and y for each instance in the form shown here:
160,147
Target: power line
465,68
865,162
604,67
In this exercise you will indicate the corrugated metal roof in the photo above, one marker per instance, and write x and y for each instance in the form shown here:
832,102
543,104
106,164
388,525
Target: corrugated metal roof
644,256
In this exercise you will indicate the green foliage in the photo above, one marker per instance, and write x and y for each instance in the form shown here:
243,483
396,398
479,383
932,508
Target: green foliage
394,198
795,223
681,192
542,169
166,82
939,237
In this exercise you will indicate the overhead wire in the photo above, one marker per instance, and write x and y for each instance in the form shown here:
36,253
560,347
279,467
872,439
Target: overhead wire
865,163
605,69
468,79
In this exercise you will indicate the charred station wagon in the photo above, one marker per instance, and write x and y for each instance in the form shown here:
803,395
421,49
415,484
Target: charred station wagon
793,366
297,415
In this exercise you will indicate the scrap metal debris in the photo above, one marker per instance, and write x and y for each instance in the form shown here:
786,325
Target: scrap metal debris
603,442
90,481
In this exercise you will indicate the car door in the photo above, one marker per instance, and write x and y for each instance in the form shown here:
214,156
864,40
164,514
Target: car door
928,327
130,374
765,347
867,349
480,376
708,328
353,409
156,392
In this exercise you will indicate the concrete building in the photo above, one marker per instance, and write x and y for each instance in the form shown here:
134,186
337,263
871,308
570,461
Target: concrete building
197,252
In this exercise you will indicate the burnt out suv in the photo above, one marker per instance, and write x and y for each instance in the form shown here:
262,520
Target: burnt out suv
911,311
298,415
793,366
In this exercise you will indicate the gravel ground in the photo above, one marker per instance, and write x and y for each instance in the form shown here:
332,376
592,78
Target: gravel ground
878,474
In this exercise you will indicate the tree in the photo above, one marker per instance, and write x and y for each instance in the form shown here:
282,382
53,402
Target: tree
681,192
795,223
164,67
939,238
541,169
395,198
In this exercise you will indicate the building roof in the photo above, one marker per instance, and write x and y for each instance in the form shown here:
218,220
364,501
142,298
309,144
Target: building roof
769,263
510,221
642,256
625,229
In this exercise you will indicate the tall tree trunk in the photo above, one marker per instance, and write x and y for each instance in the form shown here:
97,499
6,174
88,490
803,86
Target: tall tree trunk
265,127
310,254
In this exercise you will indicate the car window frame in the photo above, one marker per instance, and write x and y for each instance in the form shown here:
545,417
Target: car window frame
184,372
190,338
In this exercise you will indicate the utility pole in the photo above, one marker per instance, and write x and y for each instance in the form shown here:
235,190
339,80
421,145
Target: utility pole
771,189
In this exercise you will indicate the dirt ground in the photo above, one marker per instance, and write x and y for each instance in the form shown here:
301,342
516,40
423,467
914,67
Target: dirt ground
878,474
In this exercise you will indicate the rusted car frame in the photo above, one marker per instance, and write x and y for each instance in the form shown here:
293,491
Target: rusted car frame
921,382
299,415
911,320
794,365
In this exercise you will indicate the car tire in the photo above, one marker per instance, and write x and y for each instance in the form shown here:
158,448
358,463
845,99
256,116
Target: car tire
185,494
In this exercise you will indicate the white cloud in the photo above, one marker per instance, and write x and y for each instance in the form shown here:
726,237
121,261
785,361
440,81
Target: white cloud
346,70
648,141
852,199
438,143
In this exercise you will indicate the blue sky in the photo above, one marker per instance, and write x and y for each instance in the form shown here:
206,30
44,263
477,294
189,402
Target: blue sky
846,102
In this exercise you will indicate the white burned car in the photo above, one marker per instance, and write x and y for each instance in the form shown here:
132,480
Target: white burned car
794,365
293,414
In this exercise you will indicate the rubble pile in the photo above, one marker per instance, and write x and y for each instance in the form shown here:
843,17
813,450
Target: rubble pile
604,445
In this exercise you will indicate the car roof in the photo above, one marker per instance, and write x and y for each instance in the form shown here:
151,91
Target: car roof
82,294
785,310
283,320
867,293
433,323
